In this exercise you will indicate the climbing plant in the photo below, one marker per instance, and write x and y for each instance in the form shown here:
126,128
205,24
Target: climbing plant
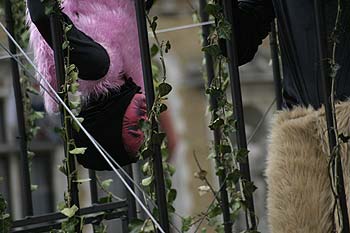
225,154
5,219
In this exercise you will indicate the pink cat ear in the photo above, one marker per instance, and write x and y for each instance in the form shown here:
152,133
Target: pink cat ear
131,133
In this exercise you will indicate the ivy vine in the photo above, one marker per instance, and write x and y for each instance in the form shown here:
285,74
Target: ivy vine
225,154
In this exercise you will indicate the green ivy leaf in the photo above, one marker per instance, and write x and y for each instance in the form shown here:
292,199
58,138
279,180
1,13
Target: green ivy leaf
164,89
248,188
213,9
148,227
217,123
70,212
168,183
224,30
62,169
78,151
73,88
104,200
154,23
65,44
171,169
147,181
186,224
147,152
68,28
216,211
163,108
135,225
172,193
154,50
106,183
344,138
225,149
242,155
34,187
213,50
167,46
75,125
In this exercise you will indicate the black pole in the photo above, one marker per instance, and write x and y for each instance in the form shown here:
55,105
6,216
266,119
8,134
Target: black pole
132,213
229,7
276,66
93,186
150,97
209,63
330,114
57,41
26,184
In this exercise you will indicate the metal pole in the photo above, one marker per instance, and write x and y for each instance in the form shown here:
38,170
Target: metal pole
57,41
26,184
330,114
209,63
150,96
93,186
229,6
132,213
276,66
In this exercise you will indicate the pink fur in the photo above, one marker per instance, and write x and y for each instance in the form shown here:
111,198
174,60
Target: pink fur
112,23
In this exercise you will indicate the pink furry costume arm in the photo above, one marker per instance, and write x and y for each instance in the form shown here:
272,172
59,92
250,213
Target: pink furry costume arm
111,24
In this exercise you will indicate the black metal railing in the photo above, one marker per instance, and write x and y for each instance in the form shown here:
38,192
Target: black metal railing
150,97
27,201
44,223
126,210
324,65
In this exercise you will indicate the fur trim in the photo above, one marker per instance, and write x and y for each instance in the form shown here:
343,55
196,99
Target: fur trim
112,23
300,199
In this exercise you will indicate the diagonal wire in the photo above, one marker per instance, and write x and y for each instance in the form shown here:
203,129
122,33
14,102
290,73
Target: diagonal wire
31,75
146,197
93,141
261,121
183,27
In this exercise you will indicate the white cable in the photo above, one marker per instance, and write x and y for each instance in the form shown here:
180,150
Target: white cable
145,195
93,141
172,29
8,56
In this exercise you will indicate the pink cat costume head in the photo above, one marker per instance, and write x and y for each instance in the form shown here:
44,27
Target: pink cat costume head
111,23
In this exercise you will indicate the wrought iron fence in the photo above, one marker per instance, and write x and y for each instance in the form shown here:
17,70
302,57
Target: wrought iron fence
126,210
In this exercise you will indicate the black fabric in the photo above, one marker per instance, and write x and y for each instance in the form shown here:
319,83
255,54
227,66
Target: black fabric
297,37
91,59
103,119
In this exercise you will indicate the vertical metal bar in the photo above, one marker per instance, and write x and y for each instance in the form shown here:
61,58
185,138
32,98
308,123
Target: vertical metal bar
276,66
209,63
229,7
93,186
57,41
330,114
93,190
125,224
26,184
150,97
2,122
132,214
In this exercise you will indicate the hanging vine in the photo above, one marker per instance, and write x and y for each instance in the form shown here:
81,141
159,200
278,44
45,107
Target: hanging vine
21,33
226,156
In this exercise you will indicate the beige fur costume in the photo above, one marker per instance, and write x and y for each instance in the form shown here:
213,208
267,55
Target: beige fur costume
299,198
